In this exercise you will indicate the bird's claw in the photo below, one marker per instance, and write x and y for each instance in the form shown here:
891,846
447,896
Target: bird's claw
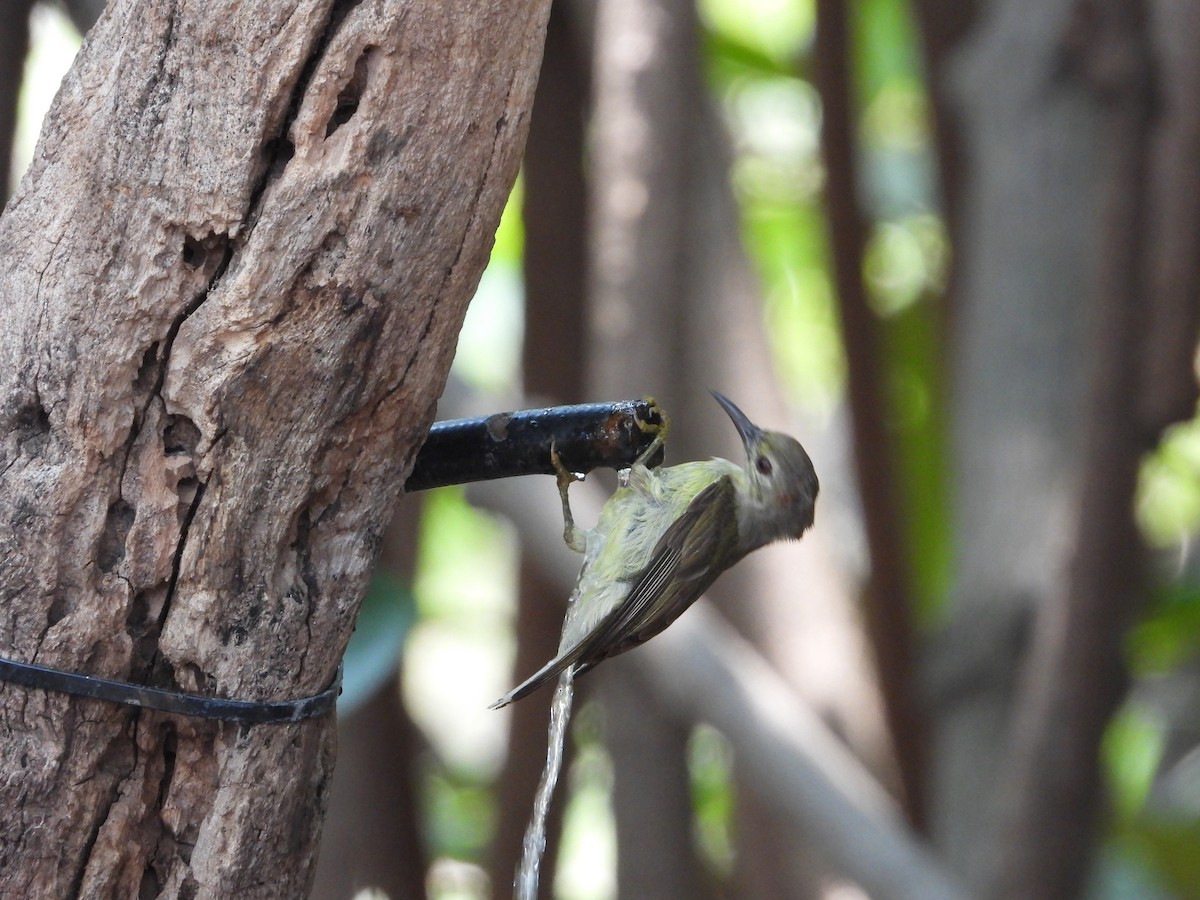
571,534
565,476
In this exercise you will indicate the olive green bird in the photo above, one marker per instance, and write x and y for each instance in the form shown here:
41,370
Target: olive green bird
666,534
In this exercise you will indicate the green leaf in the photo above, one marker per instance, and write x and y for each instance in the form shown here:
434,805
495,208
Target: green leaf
387,613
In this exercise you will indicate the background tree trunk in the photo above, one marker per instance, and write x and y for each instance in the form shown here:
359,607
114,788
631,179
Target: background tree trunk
14,41
1033,158
644,89
676,306
231,284
888,605
555,262
1076,676
1072,247
373,835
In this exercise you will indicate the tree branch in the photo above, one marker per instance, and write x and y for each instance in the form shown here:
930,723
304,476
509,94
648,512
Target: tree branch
888,600
1169,387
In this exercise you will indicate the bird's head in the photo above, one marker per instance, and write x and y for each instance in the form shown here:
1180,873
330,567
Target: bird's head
781,484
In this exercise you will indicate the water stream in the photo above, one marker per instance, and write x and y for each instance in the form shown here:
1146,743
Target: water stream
526,886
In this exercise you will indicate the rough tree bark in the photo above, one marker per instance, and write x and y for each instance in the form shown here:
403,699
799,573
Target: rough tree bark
229,291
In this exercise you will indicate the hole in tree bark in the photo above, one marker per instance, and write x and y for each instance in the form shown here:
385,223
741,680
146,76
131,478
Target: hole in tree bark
193,252
348,99
111,548
29,424
30,417
207,253
59,608
279,150
180,436
147,373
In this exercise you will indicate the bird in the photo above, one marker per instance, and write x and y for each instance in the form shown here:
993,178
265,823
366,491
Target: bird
666,534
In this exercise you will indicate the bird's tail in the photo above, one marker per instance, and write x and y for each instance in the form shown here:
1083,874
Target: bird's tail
555,667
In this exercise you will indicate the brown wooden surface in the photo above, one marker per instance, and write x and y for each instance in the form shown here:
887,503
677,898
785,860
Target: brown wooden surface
229,293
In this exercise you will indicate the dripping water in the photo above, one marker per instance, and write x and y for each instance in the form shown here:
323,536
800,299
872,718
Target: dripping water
526,886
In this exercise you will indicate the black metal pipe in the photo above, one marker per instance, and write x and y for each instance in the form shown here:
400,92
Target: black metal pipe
586,436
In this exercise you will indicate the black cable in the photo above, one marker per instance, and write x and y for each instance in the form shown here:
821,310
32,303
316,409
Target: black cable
246,712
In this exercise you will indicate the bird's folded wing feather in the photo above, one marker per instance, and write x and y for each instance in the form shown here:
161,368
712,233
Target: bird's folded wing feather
685,561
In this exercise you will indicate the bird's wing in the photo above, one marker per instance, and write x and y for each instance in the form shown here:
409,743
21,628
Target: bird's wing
698,546
685,561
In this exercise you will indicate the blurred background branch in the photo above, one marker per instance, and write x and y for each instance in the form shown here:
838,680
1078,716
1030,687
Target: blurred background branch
887,602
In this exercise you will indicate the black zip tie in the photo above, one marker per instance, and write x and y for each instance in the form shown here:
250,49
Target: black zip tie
245,712
586,436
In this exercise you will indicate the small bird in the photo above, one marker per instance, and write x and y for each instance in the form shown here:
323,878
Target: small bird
666,534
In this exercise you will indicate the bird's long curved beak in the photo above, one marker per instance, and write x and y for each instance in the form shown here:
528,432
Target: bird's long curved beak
747,430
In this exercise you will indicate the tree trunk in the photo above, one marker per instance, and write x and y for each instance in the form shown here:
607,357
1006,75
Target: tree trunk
552,363
231,284
676,310
888,605
637,204
1033,158
1076,675
372,834
14,43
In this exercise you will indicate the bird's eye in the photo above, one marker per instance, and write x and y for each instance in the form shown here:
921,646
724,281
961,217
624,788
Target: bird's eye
763,465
